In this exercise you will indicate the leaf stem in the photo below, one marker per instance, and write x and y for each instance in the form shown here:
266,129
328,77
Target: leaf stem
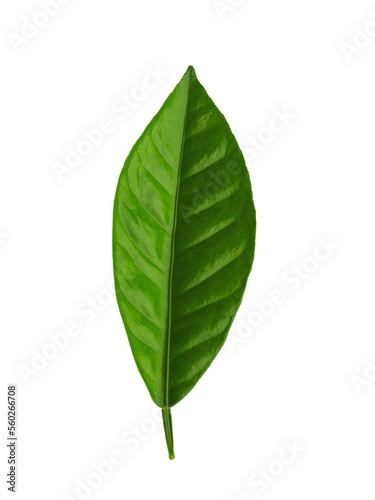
167,422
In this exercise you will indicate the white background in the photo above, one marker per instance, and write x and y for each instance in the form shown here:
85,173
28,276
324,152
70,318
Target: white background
301,375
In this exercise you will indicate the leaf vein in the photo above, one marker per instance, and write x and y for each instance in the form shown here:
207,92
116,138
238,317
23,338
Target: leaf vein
153,176
226,156
137,309
213,274
143,342
207,208
142,271
207,305
139,249
190,348
153,143
145,209
208,237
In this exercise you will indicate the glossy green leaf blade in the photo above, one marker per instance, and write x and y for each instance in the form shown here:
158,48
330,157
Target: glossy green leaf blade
183,242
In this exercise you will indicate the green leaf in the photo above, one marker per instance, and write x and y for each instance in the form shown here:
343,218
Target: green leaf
183,242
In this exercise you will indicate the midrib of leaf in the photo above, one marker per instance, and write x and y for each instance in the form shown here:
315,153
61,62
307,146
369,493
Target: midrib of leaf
170,278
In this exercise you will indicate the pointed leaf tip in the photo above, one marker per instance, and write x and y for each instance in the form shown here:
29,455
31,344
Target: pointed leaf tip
191,70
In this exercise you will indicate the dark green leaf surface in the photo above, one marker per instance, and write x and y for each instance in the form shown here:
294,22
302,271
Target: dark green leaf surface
183,242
